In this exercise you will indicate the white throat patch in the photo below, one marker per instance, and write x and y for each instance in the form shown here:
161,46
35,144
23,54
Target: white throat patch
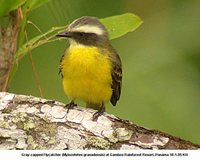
89,29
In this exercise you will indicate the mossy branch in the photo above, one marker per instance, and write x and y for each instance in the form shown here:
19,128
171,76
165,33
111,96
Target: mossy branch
28,122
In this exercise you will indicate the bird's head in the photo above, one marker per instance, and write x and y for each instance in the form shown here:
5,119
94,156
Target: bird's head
86,31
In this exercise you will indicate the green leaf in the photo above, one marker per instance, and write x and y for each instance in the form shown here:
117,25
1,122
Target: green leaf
33,4
119,25
9,5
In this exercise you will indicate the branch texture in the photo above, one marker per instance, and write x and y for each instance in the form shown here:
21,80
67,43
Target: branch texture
28,122
8,42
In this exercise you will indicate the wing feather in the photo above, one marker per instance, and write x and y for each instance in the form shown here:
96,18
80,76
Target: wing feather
60,66
116,76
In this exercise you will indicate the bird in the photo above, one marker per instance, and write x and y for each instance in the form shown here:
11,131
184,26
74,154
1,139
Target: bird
90,68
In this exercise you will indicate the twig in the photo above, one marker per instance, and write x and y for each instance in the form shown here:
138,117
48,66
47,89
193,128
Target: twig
33,68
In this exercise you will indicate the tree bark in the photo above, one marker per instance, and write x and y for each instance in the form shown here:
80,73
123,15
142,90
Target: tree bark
28,122
8,42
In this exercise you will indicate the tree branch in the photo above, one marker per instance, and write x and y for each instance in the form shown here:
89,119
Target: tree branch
28,122
8,42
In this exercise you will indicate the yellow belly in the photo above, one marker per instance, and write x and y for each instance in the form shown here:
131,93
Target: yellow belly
87,75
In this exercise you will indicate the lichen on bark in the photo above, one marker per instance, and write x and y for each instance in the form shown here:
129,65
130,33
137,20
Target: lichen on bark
28,122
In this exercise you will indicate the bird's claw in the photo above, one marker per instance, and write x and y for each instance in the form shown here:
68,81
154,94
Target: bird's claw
71,105
98,113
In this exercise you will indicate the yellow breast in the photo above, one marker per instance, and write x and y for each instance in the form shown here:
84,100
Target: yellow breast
87,74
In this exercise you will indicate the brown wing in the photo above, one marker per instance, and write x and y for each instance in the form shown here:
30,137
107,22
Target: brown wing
116,76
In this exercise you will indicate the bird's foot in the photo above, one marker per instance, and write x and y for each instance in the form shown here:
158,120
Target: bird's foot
71,105
99,113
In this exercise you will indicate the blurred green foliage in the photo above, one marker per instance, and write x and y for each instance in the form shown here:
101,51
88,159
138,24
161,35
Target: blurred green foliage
9,5
161,69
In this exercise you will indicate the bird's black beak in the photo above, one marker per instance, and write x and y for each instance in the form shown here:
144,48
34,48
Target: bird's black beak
64,34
